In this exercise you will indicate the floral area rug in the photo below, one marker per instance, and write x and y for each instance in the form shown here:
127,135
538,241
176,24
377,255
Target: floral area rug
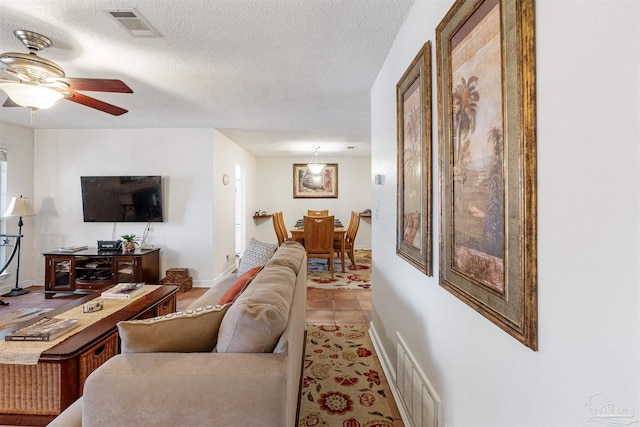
360,278
341,382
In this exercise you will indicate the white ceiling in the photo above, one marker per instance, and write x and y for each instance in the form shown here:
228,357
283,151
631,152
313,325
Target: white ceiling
277,76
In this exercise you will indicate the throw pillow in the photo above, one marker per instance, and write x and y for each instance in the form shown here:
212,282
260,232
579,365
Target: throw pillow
257,253
180,332
237,287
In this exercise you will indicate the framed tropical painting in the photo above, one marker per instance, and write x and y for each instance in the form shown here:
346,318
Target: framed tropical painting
414,212
486,121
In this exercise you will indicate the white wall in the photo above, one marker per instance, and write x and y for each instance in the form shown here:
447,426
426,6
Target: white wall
275,193
198,229
181,156
19,144
226,154
588,233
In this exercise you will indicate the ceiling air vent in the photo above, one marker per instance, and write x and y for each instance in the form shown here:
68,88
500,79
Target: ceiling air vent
133,22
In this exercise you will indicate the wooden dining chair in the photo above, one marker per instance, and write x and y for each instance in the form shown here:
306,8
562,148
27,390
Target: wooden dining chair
277,229
281,230
283,227
349,239
318,238
318,213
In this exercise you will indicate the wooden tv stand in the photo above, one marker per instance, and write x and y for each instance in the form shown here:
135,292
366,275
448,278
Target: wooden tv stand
91,270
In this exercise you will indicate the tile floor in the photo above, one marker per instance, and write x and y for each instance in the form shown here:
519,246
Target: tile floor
331,306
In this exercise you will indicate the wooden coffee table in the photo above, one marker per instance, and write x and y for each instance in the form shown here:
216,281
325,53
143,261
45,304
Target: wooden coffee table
36,394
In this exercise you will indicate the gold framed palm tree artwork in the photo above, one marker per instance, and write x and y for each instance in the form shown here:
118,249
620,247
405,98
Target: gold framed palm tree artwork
414,209
486,120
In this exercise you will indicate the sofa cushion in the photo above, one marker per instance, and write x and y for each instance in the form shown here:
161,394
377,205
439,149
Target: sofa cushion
290,254
257,253
255,321
181,332
237,287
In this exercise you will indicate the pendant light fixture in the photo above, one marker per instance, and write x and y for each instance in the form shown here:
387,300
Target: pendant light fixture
316,167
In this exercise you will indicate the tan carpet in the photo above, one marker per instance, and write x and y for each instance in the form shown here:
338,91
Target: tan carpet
341,383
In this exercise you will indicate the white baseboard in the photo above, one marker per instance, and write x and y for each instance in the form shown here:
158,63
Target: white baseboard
387,366
9,283
202,283
226,271
389,372
5,287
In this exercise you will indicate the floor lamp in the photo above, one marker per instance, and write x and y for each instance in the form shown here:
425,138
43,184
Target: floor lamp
18,207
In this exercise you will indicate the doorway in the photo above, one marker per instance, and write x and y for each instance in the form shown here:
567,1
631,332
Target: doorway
240,210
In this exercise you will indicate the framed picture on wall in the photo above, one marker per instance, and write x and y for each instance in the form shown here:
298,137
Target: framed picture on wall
413,115
315,186
486,120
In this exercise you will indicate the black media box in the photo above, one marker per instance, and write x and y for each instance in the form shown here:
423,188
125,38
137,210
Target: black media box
109,245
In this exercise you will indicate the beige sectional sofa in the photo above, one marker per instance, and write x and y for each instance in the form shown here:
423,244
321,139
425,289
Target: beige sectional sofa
254,382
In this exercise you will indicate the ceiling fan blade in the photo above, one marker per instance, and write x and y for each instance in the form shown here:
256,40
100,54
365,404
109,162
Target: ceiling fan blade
96,85
95,103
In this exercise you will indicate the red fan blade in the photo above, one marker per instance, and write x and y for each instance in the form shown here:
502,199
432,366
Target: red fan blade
95,103
96,85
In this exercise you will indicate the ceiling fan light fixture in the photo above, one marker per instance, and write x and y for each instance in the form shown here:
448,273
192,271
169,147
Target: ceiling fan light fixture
31,96
316,167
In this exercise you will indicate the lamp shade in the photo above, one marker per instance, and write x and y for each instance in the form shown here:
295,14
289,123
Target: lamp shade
31,96
19,206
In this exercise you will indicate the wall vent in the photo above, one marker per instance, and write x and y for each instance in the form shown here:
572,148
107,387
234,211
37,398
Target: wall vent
418,398
133,22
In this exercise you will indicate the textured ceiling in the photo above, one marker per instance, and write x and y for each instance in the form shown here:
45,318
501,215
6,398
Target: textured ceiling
276,76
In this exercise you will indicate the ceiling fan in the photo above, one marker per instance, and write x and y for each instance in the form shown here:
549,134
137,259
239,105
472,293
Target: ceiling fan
39,83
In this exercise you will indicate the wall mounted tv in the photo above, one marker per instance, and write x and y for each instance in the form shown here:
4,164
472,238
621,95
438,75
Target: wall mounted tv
121,198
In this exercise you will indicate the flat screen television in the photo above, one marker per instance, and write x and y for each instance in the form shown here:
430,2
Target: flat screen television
121,198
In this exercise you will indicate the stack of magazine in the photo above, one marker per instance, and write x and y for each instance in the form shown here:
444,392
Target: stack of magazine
72,248
123,291
45,329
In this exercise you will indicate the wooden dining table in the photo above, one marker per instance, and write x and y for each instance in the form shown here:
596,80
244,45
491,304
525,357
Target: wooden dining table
297,235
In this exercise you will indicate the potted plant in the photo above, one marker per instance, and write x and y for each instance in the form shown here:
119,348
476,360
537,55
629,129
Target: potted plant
130,241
